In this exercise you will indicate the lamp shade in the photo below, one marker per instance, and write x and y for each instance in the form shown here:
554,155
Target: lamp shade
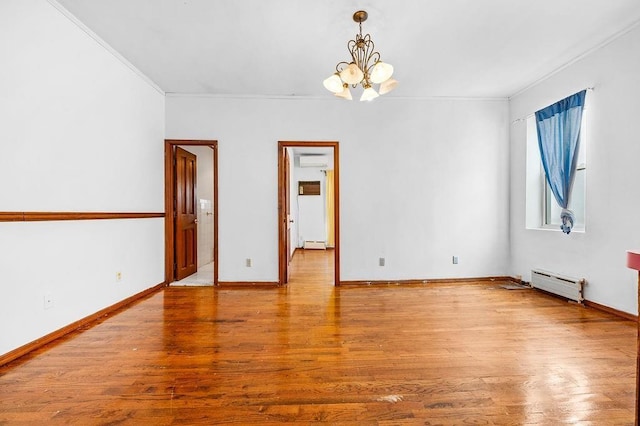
333,83
369,94
345,93
388,86
381,72
352,74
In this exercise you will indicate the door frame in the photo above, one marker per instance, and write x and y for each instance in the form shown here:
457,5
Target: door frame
283,256
169,222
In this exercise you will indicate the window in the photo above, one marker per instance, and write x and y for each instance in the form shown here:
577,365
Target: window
543,212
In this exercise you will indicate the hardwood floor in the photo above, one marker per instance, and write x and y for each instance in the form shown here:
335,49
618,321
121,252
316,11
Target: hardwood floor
310,352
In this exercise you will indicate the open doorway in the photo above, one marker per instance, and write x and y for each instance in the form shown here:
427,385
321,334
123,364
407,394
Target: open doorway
300,192
191,206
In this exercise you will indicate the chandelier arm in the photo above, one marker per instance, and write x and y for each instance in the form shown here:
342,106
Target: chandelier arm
341,65
357,51
369,46
367,57
374,57
352,47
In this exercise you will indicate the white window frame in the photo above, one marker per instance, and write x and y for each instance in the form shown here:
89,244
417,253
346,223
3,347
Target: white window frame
538,192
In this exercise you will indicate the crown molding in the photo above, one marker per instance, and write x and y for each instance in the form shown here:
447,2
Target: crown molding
578,58
329,98
106,46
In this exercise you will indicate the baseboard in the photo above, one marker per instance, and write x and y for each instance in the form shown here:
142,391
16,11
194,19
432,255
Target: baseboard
594,305
609,310
38,343
248,284
430,281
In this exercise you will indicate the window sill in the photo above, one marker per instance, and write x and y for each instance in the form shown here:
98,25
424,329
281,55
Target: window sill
557,229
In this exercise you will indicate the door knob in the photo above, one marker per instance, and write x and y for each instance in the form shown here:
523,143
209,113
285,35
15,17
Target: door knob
195,220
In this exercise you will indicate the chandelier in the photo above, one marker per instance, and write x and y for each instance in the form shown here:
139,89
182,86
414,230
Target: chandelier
365,68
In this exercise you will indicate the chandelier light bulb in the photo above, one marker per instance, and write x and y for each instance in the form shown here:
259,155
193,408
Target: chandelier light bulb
388,86
345,93
369,94
352,74
333,83
381,72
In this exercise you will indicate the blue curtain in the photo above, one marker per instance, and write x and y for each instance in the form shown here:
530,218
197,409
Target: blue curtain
558,138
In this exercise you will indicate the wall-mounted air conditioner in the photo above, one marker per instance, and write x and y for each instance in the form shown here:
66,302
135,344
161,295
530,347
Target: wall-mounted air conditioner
314,161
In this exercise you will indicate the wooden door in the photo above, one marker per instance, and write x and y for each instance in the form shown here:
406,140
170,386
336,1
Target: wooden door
287,178
284,242
287,205
186,221
287,214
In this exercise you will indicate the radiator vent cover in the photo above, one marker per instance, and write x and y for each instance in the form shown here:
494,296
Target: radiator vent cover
315,245
562,285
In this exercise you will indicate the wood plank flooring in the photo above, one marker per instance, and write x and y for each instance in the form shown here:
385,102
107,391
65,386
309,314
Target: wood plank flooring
440,354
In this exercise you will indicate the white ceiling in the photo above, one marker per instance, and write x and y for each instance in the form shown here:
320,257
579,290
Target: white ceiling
457,48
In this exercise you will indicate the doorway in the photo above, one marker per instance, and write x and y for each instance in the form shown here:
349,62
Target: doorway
187,214
284,205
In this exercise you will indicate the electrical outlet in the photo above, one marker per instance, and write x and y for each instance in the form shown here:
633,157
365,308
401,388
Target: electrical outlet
118,276
48,301
381,261
248,262
455,260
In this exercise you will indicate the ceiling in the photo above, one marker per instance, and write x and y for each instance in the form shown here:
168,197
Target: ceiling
439,48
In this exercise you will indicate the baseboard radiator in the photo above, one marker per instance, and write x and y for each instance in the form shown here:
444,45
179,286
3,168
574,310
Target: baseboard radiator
317,245
571,288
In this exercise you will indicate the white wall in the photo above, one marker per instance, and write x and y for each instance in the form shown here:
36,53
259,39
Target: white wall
204,194
612,202
80,132
420,181
312,210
